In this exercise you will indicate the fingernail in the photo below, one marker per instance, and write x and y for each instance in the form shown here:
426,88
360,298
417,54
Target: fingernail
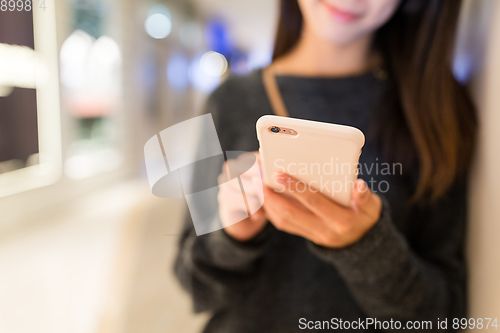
280,179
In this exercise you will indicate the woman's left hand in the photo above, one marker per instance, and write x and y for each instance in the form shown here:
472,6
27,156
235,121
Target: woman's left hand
311,215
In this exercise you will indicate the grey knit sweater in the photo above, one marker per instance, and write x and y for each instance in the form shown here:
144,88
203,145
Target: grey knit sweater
408,267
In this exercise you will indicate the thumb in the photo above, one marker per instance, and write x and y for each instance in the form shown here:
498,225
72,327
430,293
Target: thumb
259,216
365,200
361,193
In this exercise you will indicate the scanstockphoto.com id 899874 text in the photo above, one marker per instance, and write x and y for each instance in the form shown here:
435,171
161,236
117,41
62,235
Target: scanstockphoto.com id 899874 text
22,5
373,323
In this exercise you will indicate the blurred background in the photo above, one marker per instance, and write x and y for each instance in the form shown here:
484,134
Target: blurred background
84,245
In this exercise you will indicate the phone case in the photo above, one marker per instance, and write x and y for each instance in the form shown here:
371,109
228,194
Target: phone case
323,156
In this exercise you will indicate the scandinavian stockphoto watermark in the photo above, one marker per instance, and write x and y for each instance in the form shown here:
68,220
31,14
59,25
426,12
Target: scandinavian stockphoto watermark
186,160
323,183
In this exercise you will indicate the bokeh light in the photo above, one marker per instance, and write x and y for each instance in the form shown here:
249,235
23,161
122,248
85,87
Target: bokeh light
200,80
75,48
159,22
106,51
73,57
213,63
218,38
177,71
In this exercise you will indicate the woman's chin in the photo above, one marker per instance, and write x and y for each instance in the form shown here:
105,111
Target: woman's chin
341,39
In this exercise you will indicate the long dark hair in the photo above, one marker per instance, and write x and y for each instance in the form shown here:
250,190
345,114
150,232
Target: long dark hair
431,119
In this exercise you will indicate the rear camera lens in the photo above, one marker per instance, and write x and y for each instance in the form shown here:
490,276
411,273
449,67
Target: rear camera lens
275,129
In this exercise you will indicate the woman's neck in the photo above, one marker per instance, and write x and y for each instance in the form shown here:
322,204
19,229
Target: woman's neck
313,56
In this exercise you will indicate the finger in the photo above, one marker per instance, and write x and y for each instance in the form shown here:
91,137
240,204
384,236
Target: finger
312,199
225,185
365,201
223,177
252,183
257,190
255,202
230,191
251,188
257,155
360,193
258,216
290,218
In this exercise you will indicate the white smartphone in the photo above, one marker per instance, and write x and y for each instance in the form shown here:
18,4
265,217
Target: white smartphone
321,155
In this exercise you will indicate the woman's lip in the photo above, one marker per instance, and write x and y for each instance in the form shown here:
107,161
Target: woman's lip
340,14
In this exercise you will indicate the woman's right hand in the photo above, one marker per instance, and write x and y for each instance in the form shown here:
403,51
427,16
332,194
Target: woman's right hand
229,198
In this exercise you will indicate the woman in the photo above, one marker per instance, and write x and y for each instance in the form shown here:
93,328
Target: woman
304,262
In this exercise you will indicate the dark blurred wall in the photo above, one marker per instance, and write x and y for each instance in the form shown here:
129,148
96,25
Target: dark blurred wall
18,112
